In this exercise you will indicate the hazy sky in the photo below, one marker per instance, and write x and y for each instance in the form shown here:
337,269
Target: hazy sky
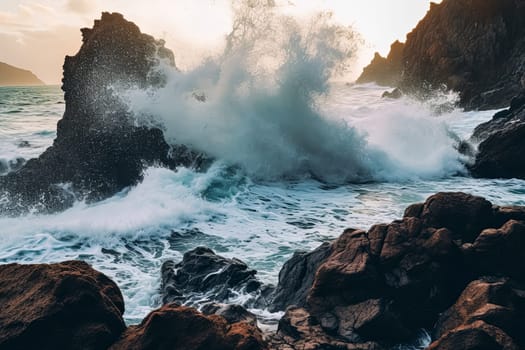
37,34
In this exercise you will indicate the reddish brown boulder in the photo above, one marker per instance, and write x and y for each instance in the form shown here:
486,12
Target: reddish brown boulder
476,336
463,214
176,327
488,315
58,306
499,251
299,330
349,265
385,284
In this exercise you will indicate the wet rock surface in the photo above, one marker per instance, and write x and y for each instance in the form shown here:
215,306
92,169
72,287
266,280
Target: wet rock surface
296,277
502,143
182,328
58,306
384,285
487,315
202,274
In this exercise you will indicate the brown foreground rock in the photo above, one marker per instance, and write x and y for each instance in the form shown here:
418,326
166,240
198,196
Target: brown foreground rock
177,327
382,286
452,265
58,306
489,314
71,306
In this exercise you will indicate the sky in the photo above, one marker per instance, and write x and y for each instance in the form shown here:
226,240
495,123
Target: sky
37,34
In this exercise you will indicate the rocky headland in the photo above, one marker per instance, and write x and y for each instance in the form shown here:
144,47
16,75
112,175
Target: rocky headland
13,76
474,47
452,266
99,150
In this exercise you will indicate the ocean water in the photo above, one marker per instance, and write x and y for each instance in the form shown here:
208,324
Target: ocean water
299,158
260,221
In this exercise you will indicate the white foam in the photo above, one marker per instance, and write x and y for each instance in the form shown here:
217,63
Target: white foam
262,108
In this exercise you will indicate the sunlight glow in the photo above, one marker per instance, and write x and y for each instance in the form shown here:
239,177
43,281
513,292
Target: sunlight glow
49,30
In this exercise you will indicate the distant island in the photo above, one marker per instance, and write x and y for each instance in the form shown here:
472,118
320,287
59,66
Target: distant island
13,76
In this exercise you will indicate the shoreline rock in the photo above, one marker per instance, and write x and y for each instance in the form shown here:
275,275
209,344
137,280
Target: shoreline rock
179,327
452,265
203,277
58,306
474,47
501,143
382,286
98,150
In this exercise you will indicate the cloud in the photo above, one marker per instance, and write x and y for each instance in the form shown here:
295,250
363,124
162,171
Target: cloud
81,6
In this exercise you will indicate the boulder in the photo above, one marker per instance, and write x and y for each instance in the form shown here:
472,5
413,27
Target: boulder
203,275
514,114
463,214
182,328
476,336
99,150
296,277
299,330
385,284
58,306
488,313
498,251
501,143
231,312
394,94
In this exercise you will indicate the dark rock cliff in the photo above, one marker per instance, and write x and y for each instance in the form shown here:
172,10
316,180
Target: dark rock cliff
385,71
501,143
475,47
98,150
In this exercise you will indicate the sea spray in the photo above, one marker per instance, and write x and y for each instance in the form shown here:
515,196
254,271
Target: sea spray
258,100
257,106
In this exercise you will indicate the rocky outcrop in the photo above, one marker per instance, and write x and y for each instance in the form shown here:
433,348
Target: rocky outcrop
296,277
475,47
502,143
13,76
71,306
203,275
385,71
383,285
231,312
487,315
182,328
58,306
452,265
98,150
299,330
